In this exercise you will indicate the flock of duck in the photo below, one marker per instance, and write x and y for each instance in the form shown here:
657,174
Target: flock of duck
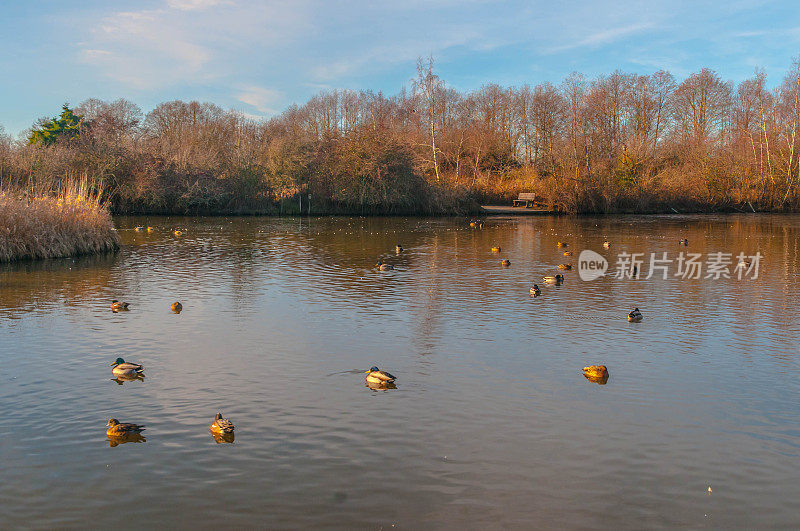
121,432
221,428
594,373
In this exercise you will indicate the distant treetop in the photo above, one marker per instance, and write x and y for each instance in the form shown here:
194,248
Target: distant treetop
66,126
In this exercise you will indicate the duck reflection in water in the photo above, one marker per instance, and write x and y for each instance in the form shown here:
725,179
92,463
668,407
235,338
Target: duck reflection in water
122,379
223,438
382,386
116,440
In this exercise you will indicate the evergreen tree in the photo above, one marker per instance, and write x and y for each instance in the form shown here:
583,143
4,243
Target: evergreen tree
67,126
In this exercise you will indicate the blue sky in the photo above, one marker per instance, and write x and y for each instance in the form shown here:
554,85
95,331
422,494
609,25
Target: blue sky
261,56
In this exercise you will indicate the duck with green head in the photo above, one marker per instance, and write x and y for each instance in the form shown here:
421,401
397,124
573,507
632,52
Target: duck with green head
127,370
377,376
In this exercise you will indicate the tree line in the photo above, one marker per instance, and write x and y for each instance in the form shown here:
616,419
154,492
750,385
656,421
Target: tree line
616,143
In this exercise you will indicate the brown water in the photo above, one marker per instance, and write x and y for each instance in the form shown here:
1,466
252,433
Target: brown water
492,424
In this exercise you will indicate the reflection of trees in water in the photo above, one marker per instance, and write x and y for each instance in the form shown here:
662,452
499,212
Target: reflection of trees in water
42,283
446,271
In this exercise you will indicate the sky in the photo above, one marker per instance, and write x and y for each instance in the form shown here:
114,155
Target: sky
259,57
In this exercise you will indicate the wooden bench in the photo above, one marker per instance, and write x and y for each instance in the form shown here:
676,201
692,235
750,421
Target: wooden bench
526,200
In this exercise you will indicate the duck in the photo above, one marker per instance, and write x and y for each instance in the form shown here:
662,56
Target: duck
384,267
139,229
377,376
496,249
557,279
565,267
596,373
117,428
176,307
150,229
117,306
536,291
561,245
635,316
683,242
506,262
567,253
398,249
472,224
177,232
221,425
607,244
126,370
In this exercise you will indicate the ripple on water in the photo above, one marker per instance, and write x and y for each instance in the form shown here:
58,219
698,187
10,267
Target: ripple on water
492,423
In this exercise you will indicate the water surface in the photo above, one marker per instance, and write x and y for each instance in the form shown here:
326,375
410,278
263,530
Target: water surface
492,424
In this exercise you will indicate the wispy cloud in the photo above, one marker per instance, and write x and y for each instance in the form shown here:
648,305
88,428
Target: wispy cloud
186,41
602,38
190,5
265,100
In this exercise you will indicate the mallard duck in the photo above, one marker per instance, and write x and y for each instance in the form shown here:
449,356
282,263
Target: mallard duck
607,244
117,306
535,291
139,229
176,307
375,375
177,232
150,229
398,249
561,245
506,262
683,242
635,315
117,428
221,425
124,369
496,249
565,267
472,224
567,253
383,267
596,373
557,279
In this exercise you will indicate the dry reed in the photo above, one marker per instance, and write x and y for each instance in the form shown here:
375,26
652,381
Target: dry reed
67,219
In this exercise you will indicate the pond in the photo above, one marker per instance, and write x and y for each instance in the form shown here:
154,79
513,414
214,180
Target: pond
492,423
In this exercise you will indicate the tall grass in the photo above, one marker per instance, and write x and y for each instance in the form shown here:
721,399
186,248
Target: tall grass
65,218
